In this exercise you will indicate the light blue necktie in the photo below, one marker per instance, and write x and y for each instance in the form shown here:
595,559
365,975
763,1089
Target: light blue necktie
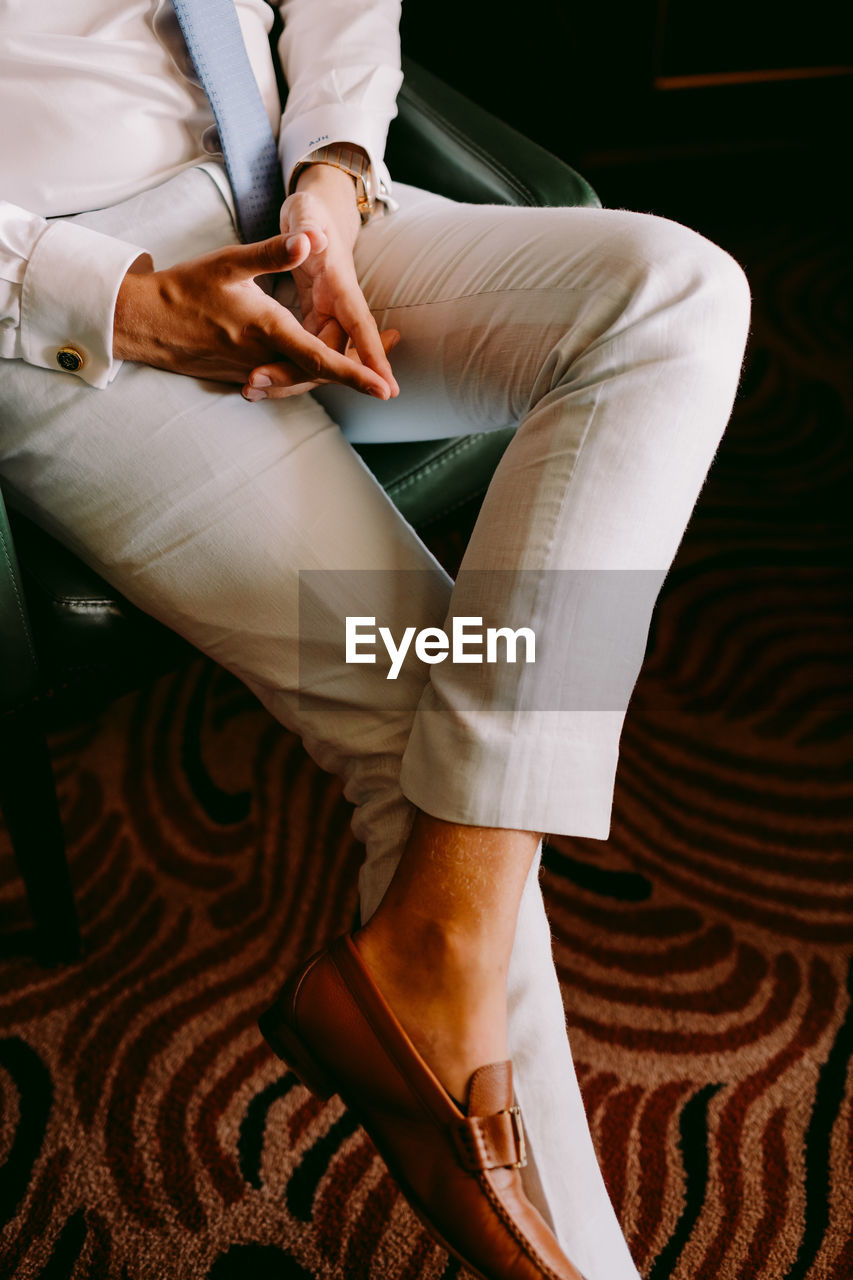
215,43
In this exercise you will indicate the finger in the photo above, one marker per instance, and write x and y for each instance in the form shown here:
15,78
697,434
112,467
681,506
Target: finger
299,245
388,337
270,383
298,389
293,384
278,373
302,214
281,377
357,319
268,378
276,379
374,349
316,360
265,257
333,335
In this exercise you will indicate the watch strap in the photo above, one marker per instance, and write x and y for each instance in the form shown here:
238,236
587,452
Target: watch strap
352,160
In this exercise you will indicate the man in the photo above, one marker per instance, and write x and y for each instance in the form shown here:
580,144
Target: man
132,313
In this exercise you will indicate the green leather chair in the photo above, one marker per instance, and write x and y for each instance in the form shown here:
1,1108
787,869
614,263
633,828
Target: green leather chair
62,628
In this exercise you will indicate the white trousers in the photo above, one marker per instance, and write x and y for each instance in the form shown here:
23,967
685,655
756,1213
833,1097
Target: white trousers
614,340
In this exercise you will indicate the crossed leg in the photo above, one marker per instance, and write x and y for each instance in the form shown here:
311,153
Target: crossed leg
615,341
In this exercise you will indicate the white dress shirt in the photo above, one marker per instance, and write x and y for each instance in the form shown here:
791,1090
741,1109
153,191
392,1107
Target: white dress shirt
100,102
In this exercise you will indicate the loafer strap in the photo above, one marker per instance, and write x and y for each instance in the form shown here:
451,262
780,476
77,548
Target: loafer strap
491,1142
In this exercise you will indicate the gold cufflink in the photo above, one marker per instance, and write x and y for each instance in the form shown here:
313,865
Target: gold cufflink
69,358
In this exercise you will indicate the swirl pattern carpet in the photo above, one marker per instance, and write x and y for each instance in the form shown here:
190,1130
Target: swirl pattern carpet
705,949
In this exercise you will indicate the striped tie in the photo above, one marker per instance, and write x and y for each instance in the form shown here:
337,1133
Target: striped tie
215,43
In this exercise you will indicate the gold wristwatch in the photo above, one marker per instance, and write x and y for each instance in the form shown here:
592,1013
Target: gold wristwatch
355,162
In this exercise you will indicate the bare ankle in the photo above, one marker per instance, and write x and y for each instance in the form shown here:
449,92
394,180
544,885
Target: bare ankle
432,949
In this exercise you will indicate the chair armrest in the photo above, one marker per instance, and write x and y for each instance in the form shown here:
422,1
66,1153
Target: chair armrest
18,665
446,143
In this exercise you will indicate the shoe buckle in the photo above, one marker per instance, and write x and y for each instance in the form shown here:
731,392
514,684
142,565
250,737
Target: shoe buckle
514,1114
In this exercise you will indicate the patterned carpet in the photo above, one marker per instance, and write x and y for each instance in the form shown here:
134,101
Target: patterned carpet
706,949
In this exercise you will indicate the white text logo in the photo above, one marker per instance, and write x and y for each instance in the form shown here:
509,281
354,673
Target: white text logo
465,644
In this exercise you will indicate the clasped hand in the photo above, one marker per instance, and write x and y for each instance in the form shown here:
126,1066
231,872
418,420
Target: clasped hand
209,317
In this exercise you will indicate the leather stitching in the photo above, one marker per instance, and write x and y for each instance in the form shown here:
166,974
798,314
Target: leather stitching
436,464
526,1244
487,1142
68,607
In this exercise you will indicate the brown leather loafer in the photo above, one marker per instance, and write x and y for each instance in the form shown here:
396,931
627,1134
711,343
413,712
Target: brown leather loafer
460,1173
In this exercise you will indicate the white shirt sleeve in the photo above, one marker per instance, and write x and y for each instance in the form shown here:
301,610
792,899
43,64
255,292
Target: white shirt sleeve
59,280
58,287
341,61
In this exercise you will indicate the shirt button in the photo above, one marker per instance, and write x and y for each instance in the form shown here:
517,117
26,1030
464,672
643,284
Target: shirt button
70,358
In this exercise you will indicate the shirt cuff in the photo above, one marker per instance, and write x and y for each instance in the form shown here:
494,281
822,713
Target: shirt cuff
68,300
331,124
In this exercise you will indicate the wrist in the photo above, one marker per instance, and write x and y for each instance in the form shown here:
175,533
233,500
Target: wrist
133,305
337,190
354,161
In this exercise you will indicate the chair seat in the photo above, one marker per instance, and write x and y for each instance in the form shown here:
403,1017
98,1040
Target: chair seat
428,479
